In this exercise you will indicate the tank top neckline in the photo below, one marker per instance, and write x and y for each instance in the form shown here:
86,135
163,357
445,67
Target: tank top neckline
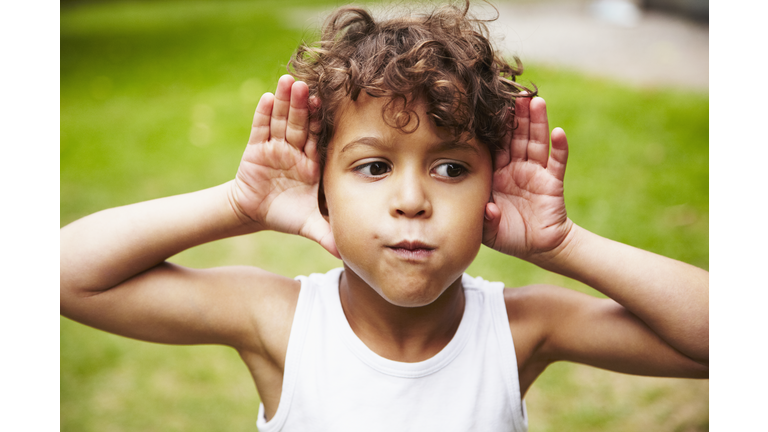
396,368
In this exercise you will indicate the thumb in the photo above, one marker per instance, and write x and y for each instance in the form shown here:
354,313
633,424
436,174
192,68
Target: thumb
491,224
329,243
319,230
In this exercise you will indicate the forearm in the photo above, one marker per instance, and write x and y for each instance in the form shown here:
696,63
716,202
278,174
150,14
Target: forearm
670,296
106,248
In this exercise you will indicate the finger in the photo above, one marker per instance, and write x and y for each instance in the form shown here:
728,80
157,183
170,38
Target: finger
281,107
298,116
310,149
503,156
538,142
491,224
520,134
261,119
559,156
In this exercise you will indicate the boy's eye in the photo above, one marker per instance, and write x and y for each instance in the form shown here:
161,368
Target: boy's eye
373,169
452,170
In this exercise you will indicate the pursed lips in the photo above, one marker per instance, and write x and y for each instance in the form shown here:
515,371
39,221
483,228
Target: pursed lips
412,249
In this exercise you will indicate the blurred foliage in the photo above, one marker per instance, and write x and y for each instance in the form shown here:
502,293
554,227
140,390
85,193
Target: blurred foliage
157,99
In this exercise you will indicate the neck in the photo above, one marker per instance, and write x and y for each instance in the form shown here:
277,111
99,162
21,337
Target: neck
405,334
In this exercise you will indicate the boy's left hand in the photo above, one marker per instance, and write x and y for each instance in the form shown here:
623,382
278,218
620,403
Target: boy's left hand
526,216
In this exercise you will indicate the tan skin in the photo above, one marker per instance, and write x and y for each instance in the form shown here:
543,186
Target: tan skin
384,187
115,277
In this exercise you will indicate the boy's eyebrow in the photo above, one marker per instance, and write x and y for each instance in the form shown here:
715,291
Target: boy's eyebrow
440,147
364,141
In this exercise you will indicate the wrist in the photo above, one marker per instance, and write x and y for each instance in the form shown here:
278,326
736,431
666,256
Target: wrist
557,259
241,217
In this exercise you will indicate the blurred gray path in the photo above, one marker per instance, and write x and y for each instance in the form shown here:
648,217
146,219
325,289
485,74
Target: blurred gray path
608,38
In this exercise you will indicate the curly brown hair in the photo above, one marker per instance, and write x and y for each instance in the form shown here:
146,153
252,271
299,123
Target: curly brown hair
443,59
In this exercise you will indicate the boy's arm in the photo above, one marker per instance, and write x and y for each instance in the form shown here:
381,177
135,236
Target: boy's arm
113,270
113,275
657,322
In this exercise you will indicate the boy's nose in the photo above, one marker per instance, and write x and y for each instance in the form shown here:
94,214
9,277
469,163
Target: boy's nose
410,199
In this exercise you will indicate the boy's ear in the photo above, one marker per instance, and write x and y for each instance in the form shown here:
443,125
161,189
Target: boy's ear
321,203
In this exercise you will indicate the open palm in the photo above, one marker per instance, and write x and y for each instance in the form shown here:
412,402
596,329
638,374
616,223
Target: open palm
278,177
527,214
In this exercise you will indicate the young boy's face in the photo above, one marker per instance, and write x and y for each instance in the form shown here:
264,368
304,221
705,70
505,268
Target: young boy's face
406,209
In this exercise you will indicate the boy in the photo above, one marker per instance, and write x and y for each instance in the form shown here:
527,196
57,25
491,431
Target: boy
397,156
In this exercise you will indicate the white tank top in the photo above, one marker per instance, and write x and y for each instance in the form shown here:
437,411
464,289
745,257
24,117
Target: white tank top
334,382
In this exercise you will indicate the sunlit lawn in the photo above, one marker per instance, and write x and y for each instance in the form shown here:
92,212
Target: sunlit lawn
157,98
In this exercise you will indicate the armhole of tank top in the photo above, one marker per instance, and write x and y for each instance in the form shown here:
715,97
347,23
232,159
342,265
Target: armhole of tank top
509,356
299,328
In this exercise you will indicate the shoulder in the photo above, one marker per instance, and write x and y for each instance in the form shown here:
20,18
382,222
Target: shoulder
273,306
545,313
529,309
540,315
267,301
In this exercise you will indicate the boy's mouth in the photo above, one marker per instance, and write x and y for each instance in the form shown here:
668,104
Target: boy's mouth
412,249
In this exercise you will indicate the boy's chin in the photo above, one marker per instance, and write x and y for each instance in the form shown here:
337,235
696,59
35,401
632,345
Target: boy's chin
409,292
415,299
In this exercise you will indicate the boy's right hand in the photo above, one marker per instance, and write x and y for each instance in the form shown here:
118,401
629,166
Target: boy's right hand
277,182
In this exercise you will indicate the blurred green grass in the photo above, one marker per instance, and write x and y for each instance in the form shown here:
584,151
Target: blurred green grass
157,99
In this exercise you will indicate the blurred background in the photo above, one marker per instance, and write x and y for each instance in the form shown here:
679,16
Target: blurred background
157,99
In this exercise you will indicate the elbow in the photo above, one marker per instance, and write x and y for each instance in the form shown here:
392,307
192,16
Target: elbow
67,297
702,363
74,302
71,293
700,370
698,364
694,344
